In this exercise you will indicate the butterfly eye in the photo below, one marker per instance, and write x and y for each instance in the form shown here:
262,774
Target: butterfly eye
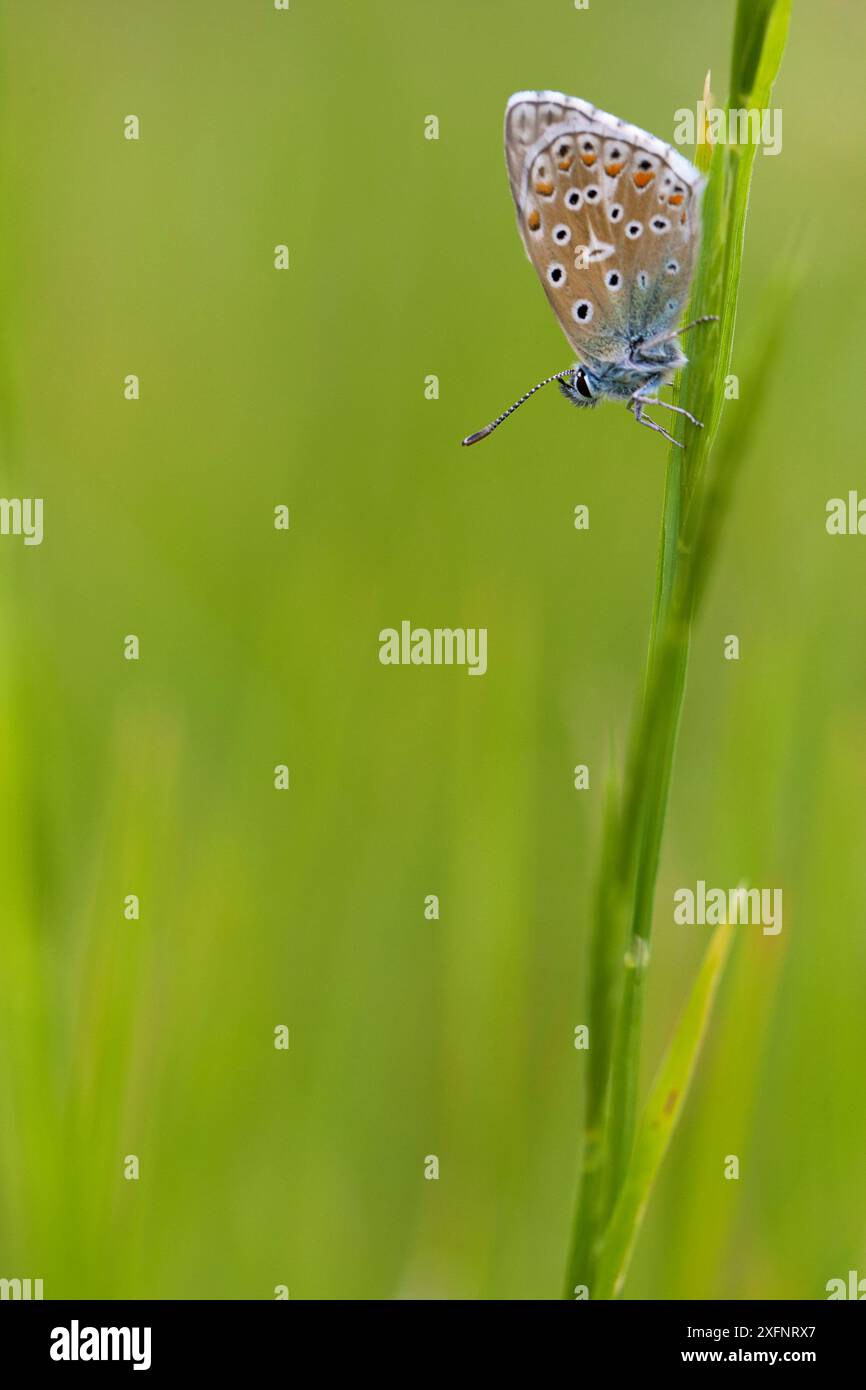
582,384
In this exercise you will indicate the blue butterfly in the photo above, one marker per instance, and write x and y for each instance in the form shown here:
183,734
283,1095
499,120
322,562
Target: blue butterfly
610,218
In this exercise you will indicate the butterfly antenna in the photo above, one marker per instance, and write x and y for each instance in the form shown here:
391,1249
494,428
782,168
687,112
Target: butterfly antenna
494,424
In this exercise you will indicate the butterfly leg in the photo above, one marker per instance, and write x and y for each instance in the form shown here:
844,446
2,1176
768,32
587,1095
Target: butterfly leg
668,337
677,409
636,405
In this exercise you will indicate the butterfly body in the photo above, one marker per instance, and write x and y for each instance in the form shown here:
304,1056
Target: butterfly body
621,380
610,219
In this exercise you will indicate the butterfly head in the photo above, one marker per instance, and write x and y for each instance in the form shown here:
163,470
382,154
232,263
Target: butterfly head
580,386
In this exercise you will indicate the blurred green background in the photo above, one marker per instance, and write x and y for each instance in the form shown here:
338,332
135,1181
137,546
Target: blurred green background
258,907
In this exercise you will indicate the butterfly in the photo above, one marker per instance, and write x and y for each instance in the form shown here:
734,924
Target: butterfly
610,218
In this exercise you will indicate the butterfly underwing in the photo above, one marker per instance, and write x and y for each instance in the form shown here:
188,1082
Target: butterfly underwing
610,218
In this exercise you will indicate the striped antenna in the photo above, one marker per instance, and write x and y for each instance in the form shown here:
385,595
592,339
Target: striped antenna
494,424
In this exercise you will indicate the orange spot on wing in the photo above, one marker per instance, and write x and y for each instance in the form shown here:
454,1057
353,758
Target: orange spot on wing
566,163
534,220
682,219
643,177
544,188
675,199
589,159
613,169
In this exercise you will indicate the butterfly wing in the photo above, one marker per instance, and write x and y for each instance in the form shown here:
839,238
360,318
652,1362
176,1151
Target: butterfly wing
609,216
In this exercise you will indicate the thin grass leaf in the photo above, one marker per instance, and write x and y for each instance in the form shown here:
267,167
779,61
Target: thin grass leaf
766,28
603,1004
759,41
659,1121
624,904
729,183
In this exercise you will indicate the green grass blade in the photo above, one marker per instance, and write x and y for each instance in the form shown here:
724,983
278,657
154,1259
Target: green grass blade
704,392
605,962
759,41
624,905
766,26
659,1120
